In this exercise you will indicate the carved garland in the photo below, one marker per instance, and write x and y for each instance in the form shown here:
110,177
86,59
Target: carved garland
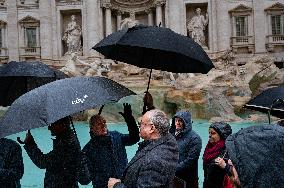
131,5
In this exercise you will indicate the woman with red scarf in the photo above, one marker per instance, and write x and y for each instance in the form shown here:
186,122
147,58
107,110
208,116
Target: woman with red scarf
214,175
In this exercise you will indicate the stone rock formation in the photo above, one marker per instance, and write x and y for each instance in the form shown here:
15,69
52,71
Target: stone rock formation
218,95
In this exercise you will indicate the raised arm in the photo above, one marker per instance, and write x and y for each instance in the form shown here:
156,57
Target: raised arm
133,136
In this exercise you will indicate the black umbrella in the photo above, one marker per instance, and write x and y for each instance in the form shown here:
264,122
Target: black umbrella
257,152
270,101
155,47
17,78
53,101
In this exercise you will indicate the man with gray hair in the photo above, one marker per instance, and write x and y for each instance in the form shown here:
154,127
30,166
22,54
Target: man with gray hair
156,160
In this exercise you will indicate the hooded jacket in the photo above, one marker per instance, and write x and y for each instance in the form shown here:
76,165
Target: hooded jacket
189,144
11,164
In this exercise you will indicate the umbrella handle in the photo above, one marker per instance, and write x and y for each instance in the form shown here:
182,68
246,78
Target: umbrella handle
20,141
101,109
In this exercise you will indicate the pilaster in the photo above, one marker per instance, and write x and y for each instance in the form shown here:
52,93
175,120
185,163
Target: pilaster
259,22
45,29
12,28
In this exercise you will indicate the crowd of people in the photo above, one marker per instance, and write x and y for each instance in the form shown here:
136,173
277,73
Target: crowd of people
167,156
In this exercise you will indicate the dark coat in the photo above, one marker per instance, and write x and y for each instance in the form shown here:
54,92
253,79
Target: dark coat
213,174
153,165
11,164
107,154
257,153
189,144
61,163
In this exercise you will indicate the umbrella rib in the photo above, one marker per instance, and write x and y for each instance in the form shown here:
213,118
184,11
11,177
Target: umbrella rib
263,107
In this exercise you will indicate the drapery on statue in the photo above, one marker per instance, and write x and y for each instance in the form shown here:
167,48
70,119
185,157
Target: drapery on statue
196,26
129,22
97,68
72,36
70,66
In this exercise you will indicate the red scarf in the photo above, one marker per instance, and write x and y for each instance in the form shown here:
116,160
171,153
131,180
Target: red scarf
212,151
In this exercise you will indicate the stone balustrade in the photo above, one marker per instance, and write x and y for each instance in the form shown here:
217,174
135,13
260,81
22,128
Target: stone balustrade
30,51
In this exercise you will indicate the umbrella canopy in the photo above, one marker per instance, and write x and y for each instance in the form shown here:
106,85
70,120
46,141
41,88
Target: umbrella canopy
270,100
17,78
53,101
155,47
257,153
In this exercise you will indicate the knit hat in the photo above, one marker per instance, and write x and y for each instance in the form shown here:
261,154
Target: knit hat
222,128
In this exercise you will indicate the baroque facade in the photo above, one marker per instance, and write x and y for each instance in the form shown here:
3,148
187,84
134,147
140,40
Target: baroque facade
38,29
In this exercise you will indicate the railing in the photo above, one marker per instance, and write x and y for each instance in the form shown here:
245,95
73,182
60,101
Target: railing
30,51
243,40
275,39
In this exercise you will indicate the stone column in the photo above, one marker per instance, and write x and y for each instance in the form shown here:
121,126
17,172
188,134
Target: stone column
150,17
108,19
159,13
175,16
45,29
12,28
93,25
259,22
118,20
56,33
213,37
223,26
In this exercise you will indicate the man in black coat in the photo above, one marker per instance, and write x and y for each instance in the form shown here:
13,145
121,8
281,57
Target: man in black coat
62,163
157,157
11,164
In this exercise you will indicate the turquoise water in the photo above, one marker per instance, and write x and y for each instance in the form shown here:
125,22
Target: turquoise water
33,176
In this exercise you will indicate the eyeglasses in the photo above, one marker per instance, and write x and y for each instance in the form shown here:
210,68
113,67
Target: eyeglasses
140,124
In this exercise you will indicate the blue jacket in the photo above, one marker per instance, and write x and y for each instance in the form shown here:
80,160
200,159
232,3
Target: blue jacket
107,154
11,164
189,144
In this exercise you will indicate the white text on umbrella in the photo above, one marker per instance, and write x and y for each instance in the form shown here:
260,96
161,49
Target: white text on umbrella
78,100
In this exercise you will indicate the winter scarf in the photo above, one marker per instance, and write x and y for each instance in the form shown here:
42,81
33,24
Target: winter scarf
212,151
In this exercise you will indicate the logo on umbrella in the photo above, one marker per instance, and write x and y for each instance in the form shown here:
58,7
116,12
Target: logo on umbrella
78,100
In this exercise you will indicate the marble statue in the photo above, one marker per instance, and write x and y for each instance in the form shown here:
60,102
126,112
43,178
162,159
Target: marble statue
129,22
196,27
97,68
70,66
72,36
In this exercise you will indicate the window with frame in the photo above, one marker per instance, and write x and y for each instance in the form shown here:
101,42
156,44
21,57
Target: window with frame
29,32
31,37
241,26
277,24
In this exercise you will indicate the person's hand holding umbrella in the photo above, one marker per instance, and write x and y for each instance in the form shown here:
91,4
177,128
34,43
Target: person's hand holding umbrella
29,138
148,102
